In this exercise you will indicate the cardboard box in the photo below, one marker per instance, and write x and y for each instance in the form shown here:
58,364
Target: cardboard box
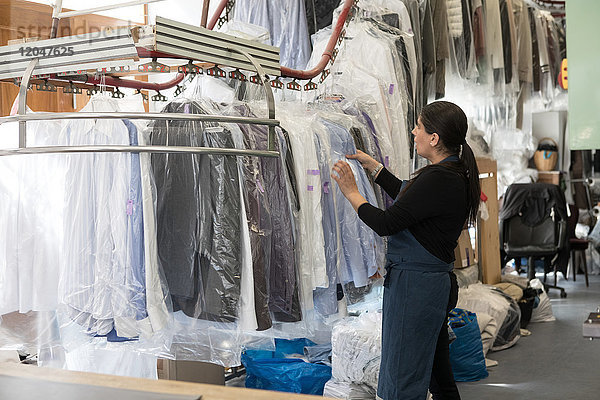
191,371
463,254
552,177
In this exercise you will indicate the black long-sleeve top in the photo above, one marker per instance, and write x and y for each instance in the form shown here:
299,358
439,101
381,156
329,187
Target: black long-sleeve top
433,209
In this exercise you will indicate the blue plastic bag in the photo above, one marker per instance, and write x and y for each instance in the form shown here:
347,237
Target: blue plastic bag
466,352
272,371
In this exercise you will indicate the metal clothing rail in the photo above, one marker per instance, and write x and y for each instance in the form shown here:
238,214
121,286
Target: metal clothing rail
138,149
50,116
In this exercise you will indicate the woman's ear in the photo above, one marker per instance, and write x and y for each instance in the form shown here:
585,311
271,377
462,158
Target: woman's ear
435,138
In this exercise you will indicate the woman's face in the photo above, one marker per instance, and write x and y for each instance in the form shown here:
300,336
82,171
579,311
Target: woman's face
423,140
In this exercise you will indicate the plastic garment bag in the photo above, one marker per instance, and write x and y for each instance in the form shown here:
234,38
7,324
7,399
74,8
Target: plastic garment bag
31,202
326,298
103,270
371,64
364,109
310,241
198,223
284,302
394,17
358,241
208,239
286,22
258,217
99,288
461,44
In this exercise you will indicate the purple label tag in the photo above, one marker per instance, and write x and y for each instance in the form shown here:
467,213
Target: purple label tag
129,207
260,186
309,188
326,187
391,91
315,172
386,161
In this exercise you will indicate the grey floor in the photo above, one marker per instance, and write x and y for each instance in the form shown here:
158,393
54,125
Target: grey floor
555,362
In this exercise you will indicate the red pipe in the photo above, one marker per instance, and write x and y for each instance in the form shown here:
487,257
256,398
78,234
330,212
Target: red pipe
140,85
215,18
145,53
327,54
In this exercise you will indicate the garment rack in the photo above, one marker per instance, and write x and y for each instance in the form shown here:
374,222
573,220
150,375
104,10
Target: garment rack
229,48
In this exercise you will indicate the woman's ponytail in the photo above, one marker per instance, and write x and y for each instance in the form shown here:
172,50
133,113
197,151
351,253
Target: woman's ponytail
472,174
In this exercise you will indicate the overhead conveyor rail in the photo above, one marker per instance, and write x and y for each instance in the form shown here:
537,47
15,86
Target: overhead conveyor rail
177,38
197,43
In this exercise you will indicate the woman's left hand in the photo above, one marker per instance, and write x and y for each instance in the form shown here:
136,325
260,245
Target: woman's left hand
343,175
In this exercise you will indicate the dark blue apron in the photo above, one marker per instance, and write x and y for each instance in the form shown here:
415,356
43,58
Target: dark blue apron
415,300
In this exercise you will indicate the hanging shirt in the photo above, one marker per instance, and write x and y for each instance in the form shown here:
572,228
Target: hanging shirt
95,220
286,22
31,202
358,242
310,242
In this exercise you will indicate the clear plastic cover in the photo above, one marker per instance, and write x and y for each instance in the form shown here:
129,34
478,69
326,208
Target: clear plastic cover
347,390
315,272
286,22
374,61
356,349
88,279
516,47
359,242
214,235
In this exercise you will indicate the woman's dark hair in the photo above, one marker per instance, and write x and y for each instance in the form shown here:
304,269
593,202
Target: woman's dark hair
450,122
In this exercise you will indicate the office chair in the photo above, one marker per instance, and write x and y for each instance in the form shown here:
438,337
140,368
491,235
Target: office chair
533,224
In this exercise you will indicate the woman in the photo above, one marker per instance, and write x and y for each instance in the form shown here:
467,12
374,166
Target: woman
423,226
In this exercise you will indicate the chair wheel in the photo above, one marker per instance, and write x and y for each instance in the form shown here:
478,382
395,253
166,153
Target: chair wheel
563,294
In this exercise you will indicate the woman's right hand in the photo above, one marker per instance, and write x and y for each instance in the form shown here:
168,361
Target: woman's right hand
368,162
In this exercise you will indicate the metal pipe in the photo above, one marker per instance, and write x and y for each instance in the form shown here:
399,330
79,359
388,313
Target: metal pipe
56,9
49,116
585,181
23,102
205,6
137,149
327,54
268,93
215,18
